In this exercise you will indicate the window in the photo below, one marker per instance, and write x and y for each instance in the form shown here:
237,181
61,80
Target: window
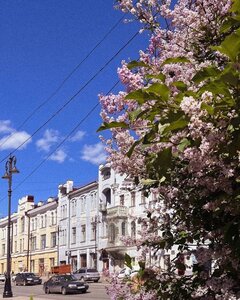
53,218
83,203
45,221
52,261
123,228
122,200
93,201
83,233
33,243
22,224
93,231
133,229
74,235
112,233
74,207
15,246
3,249
43,241
21,245
143,199
42,222
133,199
15,229
53,239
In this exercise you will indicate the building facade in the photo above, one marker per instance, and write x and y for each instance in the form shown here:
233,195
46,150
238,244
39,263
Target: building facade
33,235
78,225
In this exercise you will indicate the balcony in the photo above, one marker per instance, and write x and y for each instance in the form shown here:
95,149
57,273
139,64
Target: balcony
117,212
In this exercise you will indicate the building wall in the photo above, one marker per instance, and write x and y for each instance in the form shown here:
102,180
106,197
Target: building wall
78,210
30,252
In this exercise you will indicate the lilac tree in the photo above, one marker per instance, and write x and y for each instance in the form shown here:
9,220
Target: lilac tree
175,130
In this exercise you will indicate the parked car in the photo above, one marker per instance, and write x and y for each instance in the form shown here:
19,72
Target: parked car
64,284
27,278
87,274
2,277
127,272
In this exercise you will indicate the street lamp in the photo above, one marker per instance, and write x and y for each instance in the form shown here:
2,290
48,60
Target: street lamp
10,169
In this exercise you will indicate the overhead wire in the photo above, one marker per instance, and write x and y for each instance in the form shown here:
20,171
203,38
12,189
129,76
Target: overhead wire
74,96
63,141
64,80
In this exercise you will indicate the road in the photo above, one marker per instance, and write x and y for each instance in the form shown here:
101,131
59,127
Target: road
96,291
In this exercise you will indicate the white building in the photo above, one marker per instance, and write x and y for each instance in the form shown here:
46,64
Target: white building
78,222
120,205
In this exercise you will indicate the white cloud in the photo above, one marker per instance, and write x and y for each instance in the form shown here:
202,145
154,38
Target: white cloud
58,156
14,140
95,154
77,136
5,126
50,137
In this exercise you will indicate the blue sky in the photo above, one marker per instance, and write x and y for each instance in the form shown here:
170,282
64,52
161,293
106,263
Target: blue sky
41,42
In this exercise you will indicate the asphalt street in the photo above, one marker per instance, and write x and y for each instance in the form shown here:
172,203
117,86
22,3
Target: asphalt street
96,291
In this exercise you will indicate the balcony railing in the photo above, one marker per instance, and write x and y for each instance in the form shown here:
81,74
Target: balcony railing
117,212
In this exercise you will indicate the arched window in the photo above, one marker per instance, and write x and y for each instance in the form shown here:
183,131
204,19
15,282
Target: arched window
123,228
133,229
112,232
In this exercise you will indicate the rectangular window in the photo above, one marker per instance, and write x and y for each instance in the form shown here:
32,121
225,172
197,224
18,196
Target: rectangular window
93,231
53,239
74,235
43,241
83,239
15,229
133,199
52,261
20,245
3,249
143,199
33,242
15,246
22,224
122,200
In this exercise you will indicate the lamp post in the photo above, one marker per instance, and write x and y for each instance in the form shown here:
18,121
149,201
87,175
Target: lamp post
10,169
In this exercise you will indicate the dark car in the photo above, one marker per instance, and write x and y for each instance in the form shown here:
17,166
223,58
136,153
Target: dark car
27,279
64,284
87,274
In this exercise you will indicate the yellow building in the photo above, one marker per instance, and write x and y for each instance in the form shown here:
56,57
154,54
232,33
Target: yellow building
34,234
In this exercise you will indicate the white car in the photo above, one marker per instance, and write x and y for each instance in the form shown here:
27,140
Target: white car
127,272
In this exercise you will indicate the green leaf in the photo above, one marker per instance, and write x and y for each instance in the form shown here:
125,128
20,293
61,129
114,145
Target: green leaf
135,64
110,125
208,108
229,24
128,260
159,89
176,60
130,151
206,73
230,46
180,85
178,124
148,181
183,144
160,76
139,95
235,6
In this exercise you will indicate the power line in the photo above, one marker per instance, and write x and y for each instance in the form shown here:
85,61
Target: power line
62,142
64,81
75,95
